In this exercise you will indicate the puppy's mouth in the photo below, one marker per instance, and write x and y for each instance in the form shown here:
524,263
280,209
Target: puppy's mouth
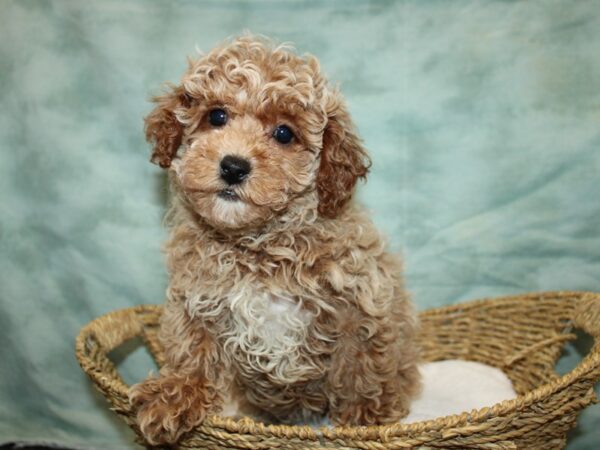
228,194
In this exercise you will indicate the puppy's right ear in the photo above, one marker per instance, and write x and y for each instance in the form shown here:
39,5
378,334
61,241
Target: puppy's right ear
162,128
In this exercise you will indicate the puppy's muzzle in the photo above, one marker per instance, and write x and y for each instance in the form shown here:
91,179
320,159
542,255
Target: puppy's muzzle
234,169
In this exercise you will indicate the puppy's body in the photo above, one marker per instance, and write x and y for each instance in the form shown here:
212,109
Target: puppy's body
280,287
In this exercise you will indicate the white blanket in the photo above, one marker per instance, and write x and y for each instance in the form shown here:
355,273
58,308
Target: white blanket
453,387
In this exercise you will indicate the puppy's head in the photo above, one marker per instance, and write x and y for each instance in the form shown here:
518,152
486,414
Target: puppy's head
258,127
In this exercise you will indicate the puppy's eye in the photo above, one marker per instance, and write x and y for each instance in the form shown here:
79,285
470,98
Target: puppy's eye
217,117
283,134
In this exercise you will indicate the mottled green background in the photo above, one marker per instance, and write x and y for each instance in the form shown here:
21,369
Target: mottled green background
483,120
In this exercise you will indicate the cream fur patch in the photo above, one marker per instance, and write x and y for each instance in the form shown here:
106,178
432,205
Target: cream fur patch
263,332
229,211
267,334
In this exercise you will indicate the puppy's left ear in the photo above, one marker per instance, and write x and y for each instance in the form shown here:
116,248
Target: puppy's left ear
343,159
162,127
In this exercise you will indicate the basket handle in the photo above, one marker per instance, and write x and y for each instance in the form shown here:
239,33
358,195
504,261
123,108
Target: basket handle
104,334
587,318
587,315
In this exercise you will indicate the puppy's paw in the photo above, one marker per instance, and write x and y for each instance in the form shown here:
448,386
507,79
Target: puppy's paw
168,407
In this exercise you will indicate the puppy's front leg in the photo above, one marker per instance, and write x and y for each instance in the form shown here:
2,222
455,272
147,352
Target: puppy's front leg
373,372
190,384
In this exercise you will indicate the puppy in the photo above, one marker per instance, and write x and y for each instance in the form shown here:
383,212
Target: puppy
281,289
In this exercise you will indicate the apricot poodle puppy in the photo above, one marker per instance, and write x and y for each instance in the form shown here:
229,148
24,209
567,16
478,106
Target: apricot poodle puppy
281,289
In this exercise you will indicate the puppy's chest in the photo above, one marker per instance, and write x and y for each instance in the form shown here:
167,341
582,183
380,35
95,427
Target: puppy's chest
266,334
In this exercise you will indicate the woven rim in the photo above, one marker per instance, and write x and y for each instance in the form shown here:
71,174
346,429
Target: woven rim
586,315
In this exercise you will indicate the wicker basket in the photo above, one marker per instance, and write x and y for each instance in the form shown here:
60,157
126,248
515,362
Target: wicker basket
522,335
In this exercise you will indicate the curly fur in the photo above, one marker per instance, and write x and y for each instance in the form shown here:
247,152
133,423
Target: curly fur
286,296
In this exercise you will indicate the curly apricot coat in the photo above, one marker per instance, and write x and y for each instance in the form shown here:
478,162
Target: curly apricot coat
281,292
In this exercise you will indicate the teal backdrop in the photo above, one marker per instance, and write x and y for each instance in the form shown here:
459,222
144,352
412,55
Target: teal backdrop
482,119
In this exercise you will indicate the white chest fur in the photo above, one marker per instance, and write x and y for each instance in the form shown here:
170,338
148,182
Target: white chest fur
265,333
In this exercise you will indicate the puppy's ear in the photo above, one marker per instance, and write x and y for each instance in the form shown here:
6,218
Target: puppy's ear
162,128
343,159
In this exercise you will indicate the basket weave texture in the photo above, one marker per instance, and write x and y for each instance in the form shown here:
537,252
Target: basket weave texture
522,335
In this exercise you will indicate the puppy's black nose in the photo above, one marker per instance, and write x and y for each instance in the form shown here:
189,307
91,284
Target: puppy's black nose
234,169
